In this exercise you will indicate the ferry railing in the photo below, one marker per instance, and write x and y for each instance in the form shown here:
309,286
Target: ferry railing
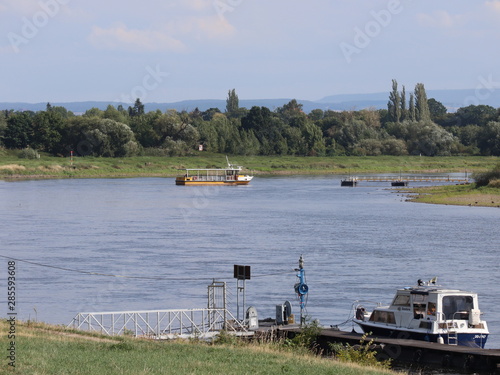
161,324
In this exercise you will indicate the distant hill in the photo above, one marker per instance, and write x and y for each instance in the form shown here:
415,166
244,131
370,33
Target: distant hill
452,99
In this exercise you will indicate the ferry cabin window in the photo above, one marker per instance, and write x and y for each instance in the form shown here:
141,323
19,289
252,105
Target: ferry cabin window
402,300
454,304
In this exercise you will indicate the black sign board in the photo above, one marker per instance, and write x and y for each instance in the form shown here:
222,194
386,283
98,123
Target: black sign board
241,272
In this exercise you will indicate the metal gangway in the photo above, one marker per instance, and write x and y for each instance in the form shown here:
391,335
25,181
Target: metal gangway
413,178
161,324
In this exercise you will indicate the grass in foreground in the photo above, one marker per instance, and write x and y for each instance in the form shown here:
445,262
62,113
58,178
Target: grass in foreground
42,349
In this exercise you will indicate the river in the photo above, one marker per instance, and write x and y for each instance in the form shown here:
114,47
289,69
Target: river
172,241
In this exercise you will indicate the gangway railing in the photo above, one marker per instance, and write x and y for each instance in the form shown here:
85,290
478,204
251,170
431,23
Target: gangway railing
414,178
160,324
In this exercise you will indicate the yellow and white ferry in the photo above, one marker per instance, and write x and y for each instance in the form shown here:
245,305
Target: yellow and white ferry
231,175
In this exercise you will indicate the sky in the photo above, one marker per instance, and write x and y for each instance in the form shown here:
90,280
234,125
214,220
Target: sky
172,50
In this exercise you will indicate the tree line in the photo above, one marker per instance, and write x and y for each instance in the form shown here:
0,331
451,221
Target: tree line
413,126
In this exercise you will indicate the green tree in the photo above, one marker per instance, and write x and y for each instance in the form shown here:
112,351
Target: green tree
19,131
175,132
114,114
370,116
437,109
98,137
427,138
421,106
290,110
208,136
93,112
142,126
257,119
232,104
352,132
47,127
316,114
371,147
209,113
396,147
475,115
489,139
394,103
313,137
250,145
404,110
3,124
137,109
412,111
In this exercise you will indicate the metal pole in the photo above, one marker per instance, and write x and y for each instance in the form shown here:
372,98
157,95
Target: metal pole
244,283
237,299
225,306
301,288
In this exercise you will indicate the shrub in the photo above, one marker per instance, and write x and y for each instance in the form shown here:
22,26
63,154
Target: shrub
484,179
362,354
306,340
28,153
495,183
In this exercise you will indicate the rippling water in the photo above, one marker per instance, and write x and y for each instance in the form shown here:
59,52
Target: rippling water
358,243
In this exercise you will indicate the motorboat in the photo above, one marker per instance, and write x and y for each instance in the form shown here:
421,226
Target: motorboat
427,312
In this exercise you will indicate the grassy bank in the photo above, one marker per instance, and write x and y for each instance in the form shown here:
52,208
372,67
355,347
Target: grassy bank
461,195
42,349
12,167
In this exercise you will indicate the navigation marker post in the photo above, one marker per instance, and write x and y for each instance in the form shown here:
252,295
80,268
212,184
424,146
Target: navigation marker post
301,289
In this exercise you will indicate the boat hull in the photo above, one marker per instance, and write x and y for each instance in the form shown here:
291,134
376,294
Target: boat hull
474,340
198,182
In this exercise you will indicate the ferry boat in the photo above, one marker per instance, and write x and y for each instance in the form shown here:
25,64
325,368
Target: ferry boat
428,312
231,175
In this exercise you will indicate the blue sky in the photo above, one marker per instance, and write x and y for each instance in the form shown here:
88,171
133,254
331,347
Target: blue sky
169,50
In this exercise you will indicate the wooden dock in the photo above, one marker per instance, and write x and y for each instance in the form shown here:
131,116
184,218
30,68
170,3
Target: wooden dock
414,352
414,179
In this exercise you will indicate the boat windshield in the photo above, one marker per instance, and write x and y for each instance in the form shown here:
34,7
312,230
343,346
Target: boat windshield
454,304
401,300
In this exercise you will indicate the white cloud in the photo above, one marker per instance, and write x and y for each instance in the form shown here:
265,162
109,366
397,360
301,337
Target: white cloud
122,38
198,5
173,35
440,19
493,6
206,27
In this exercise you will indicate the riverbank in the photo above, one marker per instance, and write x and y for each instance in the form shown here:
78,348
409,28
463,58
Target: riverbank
14,168
38,348
458,195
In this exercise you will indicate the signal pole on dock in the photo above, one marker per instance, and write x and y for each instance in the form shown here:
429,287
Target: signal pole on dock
301,288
